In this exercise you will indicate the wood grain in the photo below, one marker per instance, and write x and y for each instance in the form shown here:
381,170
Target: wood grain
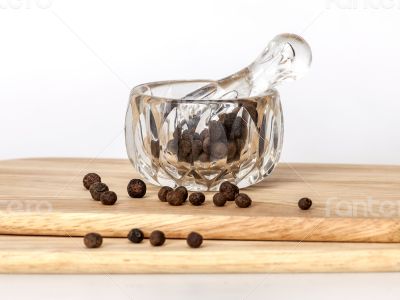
351,203
27,254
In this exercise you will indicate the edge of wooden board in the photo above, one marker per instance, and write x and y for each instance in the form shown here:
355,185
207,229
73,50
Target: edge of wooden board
62,255
263,228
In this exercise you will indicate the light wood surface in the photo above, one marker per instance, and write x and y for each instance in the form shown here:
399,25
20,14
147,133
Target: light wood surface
27,254
351,203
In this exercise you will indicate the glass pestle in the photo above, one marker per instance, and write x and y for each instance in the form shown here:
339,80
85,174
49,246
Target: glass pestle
286,58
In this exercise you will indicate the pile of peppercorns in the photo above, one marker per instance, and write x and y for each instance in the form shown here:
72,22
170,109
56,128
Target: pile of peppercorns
227,192
156,238
223,139
99,191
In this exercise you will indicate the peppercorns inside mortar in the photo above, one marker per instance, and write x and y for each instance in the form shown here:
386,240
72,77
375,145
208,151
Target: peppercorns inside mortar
222,138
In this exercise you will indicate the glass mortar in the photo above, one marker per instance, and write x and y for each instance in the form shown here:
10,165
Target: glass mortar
168,144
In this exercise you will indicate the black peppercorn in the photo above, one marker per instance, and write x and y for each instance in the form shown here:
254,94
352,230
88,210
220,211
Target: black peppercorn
108,198
242,200
157,238
252,111
135,236
136,188
204,157
162,193
229,195
218,150
217,131
237,128
196,136
206,145
155,148
194,240
228,122
231,151
177,132
172,146
305,203
89,179
96,189
175,198
219,199
229,190
197,198
205,133
197,148
183,192
93,240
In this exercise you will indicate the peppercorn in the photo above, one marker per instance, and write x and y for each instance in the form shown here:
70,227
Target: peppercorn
136,188
252,111
197,198
197,148
157,238
175,198
305,203
186,135
196,136
194,240
184,147
135,236
162,193
206,145
240,143
205,133
183,192
219,199
177,132
218,150
237,128
204,157
155,148
231,151
242,200
229,190
217,131
108,198
93,240
172,146
89,179
228,122
96,189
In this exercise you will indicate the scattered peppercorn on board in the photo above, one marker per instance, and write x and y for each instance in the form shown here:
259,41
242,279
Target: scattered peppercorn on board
28,254
350,203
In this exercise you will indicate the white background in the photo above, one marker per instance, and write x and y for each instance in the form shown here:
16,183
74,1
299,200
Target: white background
66,68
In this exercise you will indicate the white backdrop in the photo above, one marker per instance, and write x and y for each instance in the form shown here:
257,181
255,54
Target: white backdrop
66,68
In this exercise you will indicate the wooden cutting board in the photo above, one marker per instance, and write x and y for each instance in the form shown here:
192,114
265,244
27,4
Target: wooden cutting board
351,203
28,254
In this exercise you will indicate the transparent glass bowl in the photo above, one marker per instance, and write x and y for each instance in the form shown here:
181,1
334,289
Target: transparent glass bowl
201,143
